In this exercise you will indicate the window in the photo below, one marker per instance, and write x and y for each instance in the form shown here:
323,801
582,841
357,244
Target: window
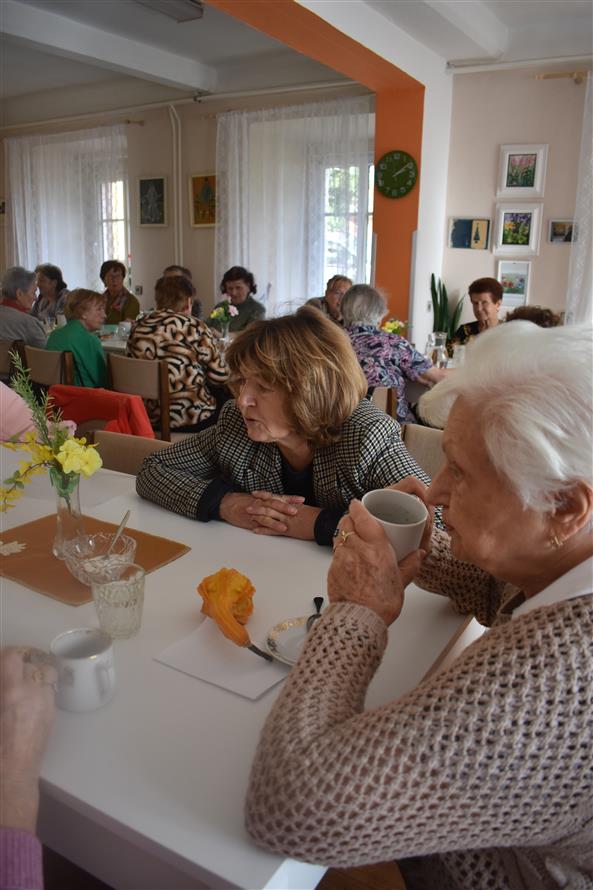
348,222
114,221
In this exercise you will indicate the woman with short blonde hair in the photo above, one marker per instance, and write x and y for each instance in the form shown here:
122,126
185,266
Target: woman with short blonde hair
85,313
295,446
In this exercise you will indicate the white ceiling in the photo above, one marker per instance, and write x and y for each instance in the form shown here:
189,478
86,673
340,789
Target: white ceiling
82,44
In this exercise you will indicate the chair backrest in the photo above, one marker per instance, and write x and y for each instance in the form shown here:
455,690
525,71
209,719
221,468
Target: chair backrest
425,446
385,398
143,377
6,347
125,453
47,366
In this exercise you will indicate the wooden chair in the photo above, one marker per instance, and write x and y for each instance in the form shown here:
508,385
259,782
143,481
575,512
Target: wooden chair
47,366
142,377
425,446
6,348
125,453
385,398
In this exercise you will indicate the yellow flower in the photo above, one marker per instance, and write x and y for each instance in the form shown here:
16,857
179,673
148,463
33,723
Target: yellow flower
75,457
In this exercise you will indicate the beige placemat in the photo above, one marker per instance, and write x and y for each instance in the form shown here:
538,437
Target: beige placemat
37,568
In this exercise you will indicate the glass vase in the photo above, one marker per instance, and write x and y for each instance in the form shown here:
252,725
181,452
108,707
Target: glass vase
68,516
224,331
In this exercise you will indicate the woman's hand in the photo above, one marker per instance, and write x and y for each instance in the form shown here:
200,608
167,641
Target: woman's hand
282,514
26,716
364,569
260,509
412,485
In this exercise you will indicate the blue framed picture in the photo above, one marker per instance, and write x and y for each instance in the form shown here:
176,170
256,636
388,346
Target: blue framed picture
469,234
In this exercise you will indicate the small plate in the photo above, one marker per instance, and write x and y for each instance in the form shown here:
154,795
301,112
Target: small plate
285,640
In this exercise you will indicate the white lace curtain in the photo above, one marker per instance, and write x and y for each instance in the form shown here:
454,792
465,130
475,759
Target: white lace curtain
274,196
65,197
579,298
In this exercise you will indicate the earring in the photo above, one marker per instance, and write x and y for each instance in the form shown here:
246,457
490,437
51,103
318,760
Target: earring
556,543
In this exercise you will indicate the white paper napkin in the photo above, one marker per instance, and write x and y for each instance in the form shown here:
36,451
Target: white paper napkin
207,655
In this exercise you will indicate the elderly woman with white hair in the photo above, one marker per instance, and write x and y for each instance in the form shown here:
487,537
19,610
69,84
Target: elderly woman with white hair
386,359
481,776
19,288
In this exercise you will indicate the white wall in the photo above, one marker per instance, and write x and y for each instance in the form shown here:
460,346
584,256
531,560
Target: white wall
491,109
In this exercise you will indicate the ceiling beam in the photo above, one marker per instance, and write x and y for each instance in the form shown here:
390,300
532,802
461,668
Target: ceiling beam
52,33
476,22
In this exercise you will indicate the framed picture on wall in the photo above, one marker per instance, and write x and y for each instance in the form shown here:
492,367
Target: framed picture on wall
517,229
522,171
152,201
202,199
514,277
469,234
562,231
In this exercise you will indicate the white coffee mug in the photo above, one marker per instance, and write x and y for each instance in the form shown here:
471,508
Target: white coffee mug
86,673
402,515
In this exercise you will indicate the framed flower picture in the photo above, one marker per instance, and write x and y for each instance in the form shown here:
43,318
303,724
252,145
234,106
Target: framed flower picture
522,171
514,277
517,230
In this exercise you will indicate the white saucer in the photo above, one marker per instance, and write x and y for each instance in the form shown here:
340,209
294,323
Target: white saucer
285,640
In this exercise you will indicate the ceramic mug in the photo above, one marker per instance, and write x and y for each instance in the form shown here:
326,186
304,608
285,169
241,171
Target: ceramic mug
402,516
86,674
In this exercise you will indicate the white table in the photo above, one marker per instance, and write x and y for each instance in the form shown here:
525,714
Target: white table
148,791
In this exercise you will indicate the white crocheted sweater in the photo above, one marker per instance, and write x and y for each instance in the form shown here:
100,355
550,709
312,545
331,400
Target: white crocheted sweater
481,777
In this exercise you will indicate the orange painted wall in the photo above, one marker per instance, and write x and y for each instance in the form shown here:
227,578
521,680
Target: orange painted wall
399,112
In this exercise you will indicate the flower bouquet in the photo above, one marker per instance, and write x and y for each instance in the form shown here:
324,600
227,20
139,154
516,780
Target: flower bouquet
394,326
223,314
51,447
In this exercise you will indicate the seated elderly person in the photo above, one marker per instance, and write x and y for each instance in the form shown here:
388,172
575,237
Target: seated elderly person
172,272
121,304
53,291
85,314
238,287
196,366
18,296
296,446
330,303
481,776
485,295
539,315
386,359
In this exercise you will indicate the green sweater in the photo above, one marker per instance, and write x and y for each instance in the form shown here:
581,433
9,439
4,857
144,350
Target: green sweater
89,359
249,310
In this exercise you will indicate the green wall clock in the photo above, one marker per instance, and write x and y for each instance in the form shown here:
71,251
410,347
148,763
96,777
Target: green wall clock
396,174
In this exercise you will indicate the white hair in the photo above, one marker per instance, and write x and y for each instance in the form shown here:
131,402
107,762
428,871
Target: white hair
362,304
531,389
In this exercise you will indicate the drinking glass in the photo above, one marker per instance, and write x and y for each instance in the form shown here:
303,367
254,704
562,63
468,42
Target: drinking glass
119,602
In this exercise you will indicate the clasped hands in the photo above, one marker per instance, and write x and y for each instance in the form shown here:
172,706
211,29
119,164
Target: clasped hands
267,513
364,569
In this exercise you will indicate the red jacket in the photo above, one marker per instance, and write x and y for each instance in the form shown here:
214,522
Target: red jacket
125,413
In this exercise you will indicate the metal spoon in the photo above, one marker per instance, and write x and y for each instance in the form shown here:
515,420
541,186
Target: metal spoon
317,602
118,533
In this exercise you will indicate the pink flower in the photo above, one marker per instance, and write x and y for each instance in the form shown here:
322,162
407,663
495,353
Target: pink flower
233,310
68,425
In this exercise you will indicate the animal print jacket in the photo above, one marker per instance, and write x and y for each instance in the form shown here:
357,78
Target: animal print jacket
195,361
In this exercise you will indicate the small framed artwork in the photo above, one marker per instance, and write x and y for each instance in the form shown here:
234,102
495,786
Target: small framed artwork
561,231
202,199
517,229
152,201
470,234
522,171
514,277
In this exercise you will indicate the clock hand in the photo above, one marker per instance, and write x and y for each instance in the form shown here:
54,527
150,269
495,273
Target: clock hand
405,167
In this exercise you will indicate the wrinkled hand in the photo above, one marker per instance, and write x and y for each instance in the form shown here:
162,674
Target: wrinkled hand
364,569
26,715
412,485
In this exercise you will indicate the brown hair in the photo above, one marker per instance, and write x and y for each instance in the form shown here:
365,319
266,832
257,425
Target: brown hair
310,359
337,279
539,315
172,292
111,264
79,300
486,286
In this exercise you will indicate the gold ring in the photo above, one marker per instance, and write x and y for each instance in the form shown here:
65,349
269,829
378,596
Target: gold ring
343,537
37,677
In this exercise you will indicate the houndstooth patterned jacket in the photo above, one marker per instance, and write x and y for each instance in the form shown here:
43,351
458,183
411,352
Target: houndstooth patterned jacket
369,455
